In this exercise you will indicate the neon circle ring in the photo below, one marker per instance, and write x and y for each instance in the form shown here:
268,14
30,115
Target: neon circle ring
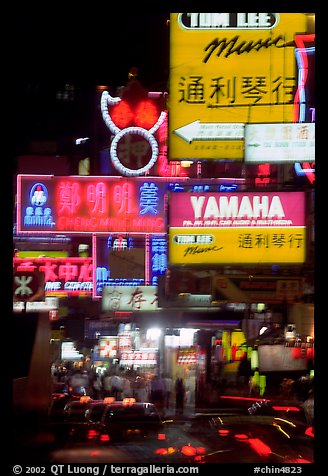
146,135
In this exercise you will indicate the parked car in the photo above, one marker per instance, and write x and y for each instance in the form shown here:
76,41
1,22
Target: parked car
91,415
128,419
62,420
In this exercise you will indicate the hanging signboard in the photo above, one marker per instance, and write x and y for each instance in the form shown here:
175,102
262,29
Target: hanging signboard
62,276
268,289
280,143
83,204
226,70
129,298
253,227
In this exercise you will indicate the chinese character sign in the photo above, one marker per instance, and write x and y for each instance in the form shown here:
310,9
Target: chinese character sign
62,276
259,228
228,68
52,204
129,298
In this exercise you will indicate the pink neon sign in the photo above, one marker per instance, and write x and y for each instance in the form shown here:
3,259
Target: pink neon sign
253,209
76,204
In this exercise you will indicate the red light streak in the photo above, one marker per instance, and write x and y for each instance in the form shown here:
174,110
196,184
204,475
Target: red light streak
300,460
261,448
252,399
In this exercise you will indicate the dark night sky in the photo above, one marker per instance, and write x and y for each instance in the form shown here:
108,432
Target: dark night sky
92,45
84,47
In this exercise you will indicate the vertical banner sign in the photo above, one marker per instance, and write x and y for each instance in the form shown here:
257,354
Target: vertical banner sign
227,70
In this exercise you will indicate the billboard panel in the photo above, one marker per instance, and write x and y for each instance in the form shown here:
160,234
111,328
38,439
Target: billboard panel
129,298
84,204
258,228
280,143
229,68
278,358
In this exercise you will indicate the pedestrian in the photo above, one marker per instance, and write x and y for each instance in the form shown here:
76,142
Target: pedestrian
168,384
97,387
107,385
117,387
302,386
244,371
126,387
286,388
157,392
308,406
180,392
254,384
139,389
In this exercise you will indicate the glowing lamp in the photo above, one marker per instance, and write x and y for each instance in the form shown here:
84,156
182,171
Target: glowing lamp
122,114
92,434
129,401
146,114
223,432
85,399
262,330
160,451
188,450
255,359
109,399
186,163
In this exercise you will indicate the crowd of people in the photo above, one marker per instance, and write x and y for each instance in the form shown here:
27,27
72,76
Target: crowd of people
120,383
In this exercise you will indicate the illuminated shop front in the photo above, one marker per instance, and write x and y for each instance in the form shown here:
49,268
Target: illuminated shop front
131,348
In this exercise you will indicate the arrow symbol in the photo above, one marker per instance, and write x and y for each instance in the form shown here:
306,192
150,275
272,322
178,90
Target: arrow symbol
211,131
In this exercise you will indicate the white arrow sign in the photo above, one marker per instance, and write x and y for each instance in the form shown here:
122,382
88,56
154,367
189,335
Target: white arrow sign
211,131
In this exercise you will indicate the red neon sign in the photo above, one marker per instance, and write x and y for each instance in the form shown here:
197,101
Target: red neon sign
145,114
62,276
76,204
